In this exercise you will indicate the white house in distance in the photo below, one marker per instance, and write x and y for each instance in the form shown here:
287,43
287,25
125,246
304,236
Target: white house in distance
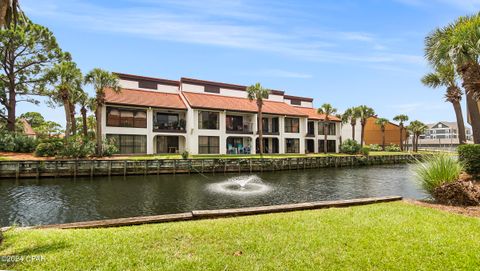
445,130
156,116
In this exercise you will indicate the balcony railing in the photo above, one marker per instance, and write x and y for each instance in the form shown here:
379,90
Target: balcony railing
270,132
245,128
173,127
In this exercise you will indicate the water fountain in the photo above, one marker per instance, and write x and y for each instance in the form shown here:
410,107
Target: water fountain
241,185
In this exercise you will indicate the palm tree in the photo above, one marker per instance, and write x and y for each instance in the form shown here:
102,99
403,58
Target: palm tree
417,128
401,119
327,110
445,76
85,102
66,80
351,115
458,44
258,93
101,80
364,112
382,122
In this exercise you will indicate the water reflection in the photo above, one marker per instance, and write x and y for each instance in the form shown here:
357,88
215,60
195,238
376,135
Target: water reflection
47,201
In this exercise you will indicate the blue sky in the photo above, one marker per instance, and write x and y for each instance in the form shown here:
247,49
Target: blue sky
343,52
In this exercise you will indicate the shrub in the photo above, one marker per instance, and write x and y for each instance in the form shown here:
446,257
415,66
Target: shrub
437,170
7,141
49,148
78,147
24,144
470,156
185,155
392,148
350,146
375,147
365,151
109,147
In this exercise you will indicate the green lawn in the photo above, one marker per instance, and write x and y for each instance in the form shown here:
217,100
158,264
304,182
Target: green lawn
387,236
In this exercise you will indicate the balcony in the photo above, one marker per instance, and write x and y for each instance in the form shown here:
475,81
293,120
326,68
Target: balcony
243,128
270,132
170,127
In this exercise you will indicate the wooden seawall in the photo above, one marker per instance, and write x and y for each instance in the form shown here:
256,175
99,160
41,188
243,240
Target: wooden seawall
85,168
208,214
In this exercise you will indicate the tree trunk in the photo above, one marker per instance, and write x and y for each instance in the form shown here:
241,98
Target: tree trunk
11,110
325,137
68,125
83,111
98,135
462,138
401,137
72,118
383,138
474,117
353,130
260,126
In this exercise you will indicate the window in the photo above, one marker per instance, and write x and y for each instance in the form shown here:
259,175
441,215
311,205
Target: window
208,145
168,121
292,125
167,144
331,146
147,84
265,127
129,144
295,102
292,145
208,120
234,123
126,117
212,89
311,128
331,128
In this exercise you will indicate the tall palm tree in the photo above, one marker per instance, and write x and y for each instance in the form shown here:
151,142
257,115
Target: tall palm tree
401,119
65,79
364,112
101,80
382,122
327,110
351,115
458,44
444,75
258,93
417,128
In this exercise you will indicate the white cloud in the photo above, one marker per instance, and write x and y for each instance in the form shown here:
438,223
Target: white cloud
235,24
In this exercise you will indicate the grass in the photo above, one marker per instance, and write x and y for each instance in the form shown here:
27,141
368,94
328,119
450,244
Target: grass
436,170
387,236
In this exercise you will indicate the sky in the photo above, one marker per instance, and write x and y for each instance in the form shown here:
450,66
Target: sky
342,52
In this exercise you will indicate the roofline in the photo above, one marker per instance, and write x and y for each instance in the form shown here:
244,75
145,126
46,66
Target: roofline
154,79
145,106
156,92
305,99
376,117
212,83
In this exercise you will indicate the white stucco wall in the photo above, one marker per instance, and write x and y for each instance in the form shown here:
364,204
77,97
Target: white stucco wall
346,131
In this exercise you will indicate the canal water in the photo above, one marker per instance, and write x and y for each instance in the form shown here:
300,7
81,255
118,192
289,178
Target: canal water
49,201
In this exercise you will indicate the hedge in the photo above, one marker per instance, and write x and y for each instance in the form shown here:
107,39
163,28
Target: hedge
470,155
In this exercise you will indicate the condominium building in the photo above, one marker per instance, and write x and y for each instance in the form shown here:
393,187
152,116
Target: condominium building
154,116
445,130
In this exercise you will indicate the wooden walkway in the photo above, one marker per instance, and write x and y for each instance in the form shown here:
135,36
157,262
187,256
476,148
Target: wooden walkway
208,214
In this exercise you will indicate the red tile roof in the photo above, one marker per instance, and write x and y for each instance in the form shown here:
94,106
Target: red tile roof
312,114
212,101
145,98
